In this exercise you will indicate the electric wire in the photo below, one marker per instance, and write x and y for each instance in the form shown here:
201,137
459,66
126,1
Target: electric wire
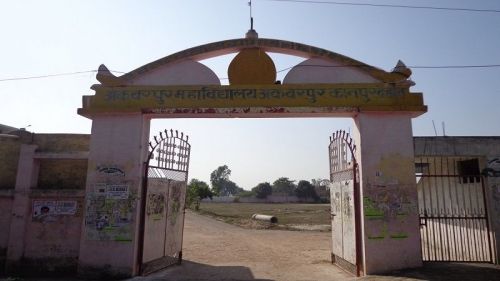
410,66
390,6
279,71
52,75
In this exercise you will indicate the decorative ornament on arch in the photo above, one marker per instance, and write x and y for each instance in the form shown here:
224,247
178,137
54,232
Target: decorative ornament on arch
252,66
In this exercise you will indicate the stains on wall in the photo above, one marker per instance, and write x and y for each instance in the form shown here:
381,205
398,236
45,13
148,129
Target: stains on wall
43,267
387,208
174,206
492,172
52,233
492,167
394,169
390,199
348,205
6,200
3,254
337,202
61,142
175,217
62,174
54,173
155,206
9,157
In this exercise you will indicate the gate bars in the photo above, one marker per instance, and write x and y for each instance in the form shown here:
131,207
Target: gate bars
453,211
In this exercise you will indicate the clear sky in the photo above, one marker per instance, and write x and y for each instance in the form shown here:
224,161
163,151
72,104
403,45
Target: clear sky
50,37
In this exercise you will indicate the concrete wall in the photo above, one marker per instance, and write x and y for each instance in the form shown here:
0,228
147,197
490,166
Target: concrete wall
6,199
54,172
62,174
9,155
61,142
52,241
41,226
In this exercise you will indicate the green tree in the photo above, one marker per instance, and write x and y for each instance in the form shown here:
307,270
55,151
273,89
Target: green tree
262,190
221,185
229,188
218,177
321,187
284,185
196,191
306,190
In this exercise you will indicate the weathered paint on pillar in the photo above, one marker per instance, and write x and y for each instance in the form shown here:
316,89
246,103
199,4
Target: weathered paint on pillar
390,226
118,149
27,173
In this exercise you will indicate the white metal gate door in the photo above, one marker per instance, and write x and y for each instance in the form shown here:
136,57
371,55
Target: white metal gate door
344,196
163,199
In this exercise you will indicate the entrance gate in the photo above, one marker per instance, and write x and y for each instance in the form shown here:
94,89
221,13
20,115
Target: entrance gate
324,84
164,198
344,194
453,212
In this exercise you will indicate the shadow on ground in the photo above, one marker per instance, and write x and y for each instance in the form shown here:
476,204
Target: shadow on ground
189,270
444,272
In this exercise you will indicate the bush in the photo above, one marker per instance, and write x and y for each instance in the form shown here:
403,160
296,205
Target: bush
262,190
306,190
196,191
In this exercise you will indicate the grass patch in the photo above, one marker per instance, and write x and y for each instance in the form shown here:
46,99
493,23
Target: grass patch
288,214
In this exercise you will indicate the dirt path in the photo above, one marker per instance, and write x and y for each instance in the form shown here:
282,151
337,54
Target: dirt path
214,250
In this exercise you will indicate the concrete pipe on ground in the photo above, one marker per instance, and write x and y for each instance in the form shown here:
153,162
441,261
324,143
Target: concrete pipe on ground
259,217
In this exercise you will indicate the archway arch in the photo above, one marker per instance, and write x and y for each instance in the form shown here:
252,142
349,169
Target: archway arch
382,110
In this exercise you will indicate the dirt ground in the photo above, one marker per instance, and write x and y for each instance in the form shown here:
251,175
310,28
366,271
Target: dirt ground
214,250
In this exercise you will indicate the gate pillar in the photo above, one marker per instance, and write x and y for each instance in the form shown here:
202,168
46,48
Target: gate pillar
389,217
109,240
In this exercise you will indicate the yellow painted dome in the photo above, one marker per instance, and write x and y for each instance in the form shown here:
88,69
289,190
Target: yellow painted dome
252,67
